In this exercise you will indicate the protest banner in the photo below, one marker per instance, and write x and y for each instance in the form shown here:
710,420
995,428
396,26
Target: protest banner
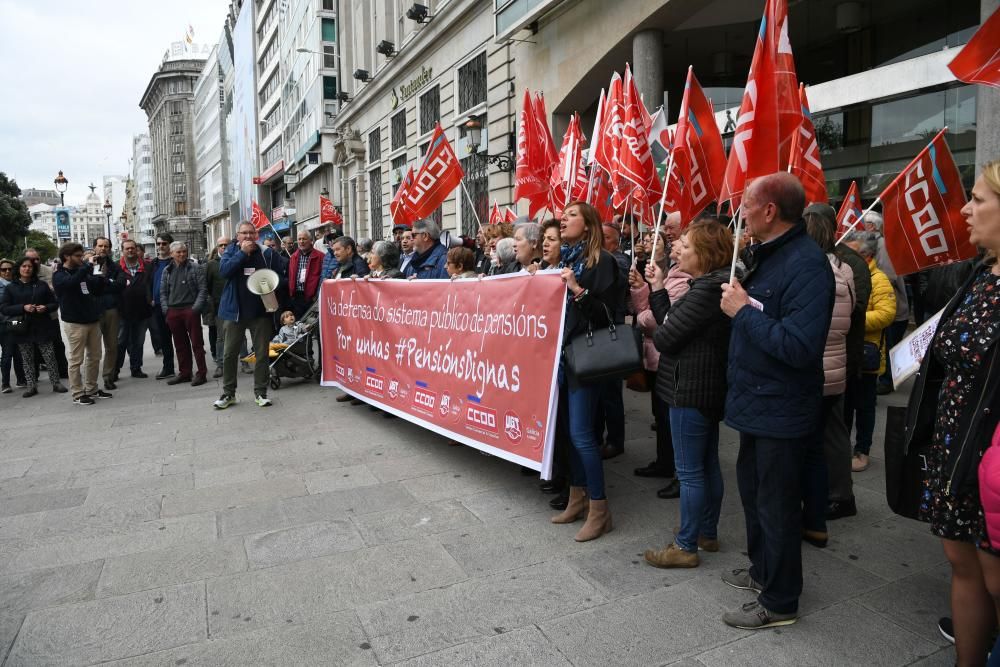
474,360
905,356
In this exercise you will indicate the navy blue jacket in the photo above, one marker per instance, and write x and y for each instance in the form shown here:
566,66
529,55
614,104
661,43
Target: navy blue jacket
231,266
112,296
429,264
775,371
78,292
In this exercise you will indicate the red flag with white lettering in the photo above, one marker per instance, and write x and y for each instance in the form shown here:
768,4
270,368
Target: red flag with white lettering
635,161
439,175
979,60
328,214
850,209
699,156
608,145
923,223
529,181
569,178
496,217
509,215
257,216
804,160
400,216
757,142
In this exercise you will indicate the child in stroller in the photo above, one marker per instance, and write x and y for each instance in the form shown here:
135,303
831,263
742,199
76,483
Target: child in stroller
291,353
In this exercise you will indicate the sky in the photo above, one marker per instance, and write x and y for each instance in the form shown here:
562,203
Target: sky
73,72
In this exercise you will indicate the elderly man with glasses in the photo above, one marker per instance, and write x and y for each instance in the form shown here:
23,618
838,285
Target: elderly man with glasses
158,329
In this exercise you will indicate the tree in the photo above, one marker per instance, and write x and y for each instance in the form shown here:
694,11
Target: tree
14,218
40,242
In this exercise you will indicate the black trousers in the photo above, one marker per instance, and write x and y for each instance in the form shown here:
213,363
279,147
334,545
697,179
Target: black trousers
769,472
160,334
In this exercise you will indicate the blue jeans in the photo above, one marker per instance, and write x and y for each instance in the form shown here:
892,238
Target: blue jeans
131,339
696,455
585,464
860,397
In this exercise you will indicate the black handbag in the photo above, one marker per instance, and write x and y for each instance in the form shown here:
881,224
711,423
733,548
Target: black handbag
606,354
905,468
871,359
16,325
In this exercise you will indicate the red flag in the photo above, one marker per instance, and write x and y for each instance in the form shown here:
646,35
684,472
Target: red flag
979,60
757,142
529,183
328,213
569,178
635,159
922,208
509,215
699,156
804,159
496,217
544,136
850,209
399,214
257,215
608,144
601,193
439,175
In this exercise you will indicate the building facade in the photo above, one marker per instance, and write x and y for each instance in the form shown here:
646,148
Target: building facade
445,68
143,208
169,105
32,196
114,193
210,147
86,221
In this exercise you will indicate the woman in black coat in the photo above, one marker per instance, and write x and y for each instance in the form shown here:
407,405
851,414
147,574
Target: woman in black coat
31,300
693,341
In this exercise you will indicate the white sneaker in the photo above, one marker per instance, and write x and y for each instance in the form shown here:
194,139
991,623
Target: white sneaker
224,402
263,401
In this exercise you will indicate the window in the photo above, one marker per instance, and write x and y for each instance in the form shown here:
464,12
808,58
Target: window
399,171
397,130
176,128
329,30
179,166
269,53
329,5
478,183
375,202
269,20
430,109
272,154
329,87
329,56
180,208
472,83
374,145
269,88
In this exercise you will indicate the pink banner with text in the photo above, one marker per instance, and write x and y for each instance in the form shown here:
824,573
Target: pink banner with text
474,360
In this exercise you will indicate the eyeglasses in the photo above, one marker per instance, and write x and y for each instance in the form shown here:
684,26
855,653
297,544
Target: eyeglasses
221,245
6,268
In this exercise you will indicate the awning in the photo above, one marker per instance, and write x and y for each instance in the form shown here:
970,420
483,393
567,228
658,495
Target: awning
269,173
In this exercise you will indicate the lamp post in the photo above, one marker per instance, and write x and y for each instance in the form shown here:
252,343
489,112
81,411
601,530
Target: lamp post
107,212
61,184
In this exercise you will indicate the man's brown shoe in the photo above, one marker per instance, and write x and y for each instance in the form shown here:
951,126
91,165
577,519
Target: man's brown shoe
179,379
344,398
198,380
671,556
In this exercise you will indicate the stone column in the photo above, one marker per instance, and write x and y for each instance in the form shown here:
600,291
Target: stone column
987,108
647,66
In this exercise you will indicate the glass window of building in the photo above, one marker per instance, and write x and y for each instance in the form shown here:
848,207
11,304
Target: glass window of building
374,145
397,130
375,203
430,109
328,29
472,83
329,87
478,183
398,171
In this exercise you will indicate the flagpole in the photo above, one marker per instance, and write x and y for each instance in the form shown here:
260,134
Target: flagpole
736,246
860,218
472,205
663,202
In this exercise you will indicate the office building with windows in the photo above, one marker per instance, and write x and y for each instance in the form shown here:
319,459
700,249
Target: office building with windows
142,210
169,105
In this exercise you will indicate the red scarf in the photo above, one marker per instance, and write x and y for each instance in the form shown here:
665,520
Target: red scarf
125,268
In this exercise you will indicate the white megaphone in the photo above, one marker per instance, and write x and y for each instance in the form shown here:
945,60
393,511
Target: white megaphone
263,282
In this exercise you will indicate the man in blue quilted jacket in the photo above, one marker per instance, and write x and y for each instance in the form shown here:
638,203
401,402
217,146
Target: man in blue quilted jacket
780,316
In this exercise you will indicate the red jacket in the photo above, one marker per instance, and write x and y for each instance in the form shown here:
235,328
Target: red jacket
313,268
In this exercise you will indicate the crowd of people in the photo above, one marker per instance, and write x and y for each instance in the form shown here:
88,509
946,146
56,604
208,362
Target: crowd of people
791,354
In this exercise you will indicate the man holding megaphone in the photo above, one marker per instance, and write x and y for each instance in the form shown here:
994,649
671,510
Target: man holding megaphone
242,309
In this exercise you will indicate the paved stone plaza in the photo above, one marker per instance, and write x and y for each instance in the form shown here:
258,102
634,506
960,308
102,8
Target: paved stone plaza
151,529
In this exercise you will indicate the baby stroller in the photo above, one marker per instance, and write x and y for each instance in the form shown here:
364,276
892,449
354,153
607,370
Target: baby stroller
299,359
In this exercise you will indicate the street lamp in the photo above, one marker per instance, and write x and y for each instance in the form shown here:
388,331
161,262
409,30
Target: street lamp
503,161
107,211
61,184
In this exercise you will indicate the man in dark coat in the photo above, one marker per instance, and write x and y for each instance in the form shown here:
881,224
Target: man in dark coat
136,307
110,301
431,256
780,319
304,270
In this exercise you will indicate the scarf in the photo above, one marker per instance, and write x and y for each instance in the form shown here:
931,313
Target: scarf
573,257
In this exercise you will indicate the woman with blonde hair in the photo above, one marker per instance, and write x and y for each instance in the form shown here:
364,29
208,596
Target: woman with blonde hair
955,405
593,291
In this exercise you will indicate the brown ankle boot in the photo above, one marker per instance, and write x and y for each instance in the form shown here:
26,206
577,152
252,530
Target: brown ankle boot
598,521
576,508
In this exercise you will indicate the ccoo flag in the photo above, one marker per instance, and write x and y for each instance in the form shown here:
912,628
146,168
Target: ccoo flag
257,215
396,211
758,138
921,208
979,60
530,178
804,159
699,156
850,209
439,175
